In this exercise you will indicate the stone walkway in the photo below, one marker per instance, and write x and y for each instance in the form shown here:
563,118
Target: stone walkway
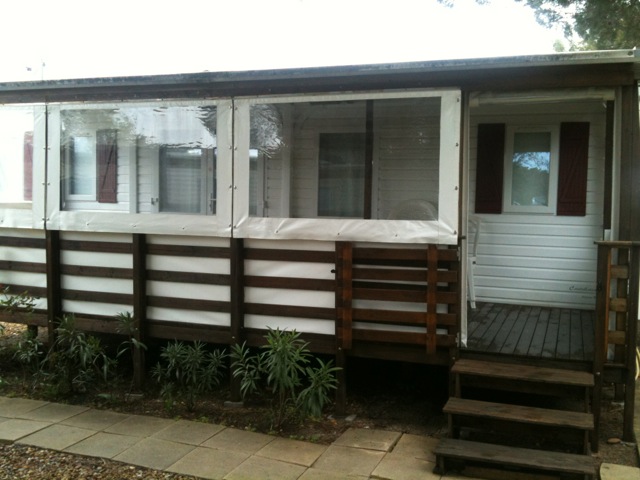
215,452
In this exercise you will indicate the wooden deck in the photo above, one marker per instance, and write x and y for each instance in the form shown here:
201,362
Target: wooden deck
542,332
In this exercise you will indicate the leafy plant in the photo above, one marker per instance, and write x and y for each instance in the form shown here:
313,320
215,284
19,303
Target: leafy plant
127,326
15,303
187,371
29,352
75,360
283,369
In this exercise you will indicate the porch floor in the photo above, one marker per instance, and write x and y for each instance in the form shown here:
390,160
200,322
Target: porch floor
542,332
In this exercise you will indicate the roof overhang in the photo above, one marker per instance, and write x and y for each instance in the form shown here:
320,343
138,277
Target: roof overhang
559,70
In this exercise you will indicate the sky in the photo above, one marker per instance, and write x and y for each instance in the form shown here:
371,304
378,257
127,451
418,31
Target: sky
84,38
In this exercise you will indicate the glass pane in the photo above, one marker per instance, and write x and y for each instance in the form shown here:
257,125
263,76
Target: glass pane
531,168
310,159
16,154
171,150
341,175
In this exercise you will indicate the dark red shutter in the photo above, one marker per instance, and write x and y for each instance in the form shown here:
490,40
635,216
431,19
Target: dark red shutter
490,167
107,160
572,170
28,166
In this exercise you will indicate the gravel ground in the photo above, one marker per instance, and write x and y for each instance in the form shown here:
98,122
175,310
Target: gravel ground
20,462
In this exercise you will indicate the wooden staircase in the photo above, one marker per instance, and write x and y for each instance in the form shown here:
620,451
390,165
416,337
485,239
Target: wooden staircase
529,405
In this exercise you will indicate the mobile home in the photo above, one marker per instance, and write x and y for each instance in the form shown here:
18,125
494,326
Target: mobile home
435,212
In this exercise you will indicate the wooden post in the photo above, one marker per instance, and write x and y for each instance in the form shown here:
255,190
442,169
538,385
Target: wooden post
631,335
139,306
343,296
368,161
237,305
54,289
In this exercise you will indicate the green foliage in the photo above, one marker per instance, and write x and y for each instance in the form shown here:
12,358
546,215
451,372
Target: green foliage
127,326
16,303
187,371
283,370
29,352
75,360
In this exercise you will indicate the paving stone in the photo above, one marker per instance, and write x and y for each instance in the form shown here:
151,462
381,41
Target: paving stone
417,446
192,433
139,426
95,419
610,471
259,468
370,439
315,474
53,412
56,437
16,428
154,453
208,463
400,467
349,460
292,451
14,407
106,445
238,441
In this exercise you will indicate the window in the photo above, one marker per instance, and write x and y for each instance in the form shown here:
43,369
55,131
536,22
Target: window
16,154
532,169
139,158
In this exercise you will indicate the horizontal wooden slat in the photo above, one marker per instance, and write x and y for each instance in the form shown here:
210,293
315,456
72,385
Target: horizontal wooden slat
290,311
401,295
618,304
362,255
189,304
520,414
407,338
402,275
318,284
99,297
96,247
100,272
520,457
34,318
23,242
317,342
27,267
188,251
188,332
188,277
400,317
617,337
619,271
37,292
289,255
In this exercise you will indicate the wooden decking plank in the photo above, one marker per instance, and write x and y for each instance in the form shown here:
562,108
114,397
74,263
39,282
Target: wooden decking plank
537,339
563,347
484,342
529,328
505,330
521,414
588,333
576,344
511,341
480,319
551,339
521,457
510,371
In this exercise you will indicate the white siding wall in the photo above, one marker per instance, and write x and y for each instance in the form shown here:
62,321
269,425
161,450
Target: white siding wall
541,259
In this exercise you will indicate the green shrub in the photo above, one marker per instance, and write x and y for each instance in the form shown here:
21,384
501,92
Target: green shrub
75,361
187,371
282,370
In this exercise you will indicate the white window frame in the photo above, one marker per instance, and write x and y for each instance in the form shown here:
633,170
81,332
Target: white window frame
152,223
444,230
550,208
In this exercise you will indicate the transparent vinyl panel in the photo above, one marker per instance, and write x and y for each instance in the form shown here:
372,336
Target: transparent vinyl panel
362,159
17,130
139,159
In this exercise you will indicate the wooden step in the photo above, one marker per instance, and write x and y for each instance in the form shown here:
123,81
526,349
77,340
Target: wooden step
520,414
514,457
528,373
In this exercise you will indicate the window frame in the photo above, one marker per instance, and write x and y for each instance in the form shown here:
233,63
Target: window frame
132,221
554,161
444,230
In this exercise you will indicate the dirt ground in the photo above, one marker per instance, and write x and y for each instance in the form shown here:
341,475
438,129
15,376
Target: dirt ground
381,395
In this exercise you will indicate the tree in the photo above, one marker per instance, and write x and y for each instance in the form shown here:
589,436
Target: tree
588,24
601,24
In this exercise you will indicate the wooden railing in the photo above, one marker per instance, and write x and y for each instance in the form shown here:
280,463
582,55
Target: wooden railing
616,325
